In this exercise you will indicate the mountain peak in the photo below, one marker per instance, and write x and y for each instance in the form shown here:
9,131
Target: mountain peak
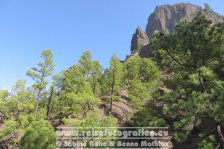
165,17
139,39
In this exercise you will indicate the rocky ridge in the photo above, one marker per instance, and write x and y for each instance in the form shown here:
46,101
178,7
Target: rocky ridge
139,40
164,19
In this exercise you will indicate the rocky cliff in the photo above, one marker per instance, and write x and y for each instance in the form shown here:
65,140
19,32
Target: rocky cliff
164,19
139,40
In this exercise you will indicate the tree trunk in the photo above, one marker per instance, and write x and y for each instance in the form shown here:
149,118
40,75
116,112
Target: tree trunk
37,103
49,102
112,92
94,85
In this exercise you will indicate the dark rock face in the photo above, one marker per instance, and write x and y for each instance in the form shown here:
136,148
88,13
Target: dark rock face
165,17
139,40
146,51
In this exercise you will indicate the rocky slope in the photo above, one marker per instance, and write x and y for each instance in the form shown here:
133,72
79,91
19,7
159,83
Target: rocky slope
164,19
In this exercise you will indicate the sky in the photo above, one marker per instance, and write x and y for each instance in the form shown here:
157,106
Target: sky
68,28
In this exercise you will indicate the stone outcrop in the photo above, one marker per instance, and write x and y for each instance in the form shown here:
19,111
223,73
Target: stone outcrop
139,40
165,17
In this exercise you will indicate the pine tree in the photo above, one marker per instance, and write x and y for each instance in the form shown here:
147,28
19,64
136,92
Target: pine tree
40,134
115,73
39,75
196,49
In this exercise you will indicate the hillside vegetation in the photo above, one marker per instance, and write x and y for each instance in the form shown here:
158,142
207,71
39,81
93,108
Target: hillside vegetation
181,86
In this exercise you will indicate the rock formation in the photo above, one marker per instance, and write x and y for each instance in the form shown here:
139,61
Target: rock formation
164,19
139,40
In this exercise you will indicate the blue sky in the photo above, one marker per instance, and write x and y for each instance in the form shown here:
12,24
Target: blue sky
68,27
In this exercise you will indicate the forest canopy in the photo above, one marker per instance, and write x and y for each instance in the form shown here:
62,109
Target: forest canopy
181,86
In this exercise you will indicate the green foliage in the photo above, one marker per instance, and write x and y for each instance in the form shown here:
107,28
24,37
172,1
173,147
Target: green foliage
148,118
207,7
73,80
191,43
96,73
142,77
149,73
115,74
196,50
85,63
3,95
80,104
132,67
180,86
93,120
16,111
103,83
209,143
89,70
139,94
45,69
39,75
6,131
40,134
